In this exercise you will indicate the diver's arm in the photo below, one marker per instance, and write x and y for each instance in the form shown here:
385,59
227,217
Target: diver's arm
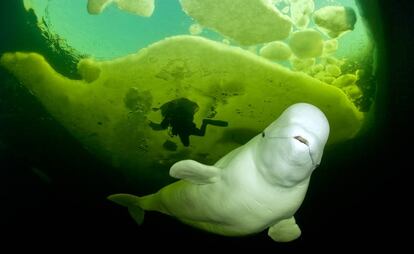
202,130
157,126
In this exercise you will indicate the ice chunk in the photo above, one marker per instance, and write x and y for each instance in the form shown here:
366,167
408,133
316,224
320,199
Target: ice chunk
285,10
317,68
276,50
304,65
353,92
300,11
110,116
331,60
306,43
345,80
252,49
330,46
334,70
195,29
97,6
143,8
88,70
248,22
335,20
225,41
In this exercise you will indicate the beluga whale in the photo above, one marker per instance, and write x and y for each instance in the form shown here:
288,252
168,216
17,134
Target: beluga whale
258,186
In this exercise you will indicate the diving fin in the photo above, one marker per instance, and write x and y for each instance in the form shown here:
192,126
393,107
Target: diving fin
215,122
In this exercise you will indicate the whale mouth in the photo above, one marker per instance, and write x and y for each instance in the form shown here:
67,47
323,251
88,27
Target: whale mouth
302,140
306,142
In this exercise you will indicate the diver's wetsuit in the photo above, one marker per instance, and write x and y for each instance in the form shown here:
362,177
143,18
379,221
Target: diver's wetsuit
179,114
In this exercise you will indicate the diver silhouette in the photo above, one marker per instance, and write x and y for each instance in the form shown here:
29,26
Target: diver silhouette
179,115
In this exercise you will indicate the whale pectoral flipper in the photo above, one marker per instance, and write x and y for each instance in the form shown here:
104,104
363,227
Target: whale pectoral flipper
195,172
130,201
284,231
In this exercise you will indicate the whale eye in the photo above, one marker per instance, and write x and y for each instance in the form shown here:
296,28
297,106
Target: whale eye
263,134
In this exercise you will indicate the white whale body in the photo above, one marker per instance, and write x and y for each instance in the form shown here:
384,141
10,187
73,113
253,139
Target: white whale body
257,186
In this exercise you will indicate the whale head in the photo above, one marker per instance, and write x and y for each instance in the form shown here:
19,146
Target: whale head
291,147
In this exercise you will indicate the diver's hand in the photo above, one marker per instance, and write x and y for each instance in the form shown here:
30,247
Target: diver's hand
155,126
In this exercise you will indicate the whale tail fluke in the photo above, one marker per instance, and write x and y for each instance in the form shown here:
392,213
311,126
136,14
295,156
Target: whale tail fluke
132,203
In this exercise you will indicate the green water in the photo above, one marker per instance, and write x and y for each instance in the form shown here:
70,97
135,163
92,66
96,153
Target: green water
58,157
227,74
126,33
113,33
80,35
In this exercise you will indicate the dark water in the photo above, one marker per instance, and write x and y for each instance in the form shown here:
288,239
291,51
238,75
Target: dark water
53,191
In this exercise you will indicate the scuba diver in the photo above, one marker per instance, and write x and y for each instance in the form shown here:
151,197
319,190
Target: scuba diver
179,115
